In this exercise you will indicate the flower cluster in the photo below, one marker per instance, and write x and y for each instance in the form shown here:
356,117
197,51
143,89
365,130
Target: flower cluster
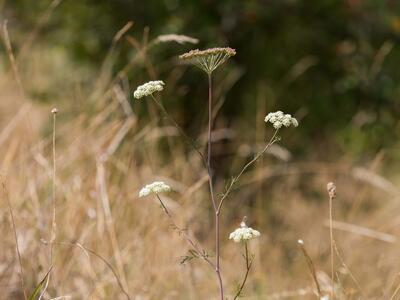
208,60
148,88
279,119
243,233
156,187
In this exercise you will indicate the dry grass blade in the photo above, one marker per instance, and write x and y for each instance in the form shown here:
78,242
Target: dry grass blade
87,250
396,291
363,231
53,224
310,267
178,38
376,180
103,194
35,32
122,31
357,283
379,58
10,53
39,287
21,269
6,132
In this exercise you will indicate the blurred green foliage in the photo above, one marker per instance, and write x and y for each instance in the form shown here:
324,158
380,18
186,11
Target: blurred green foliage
333,63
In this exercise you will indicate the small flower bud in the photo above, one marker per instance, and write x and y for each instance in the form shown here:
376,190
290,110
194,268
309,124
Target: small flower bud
331,188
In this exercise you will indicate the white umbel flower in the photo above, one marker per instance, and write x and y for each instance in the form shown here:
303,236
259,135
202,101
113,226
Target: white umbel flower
279,119
156,187
243,233
148,88
326,297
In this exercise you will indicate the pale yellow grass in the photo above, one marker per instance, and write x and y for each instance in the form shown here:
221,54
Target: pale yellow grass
104,156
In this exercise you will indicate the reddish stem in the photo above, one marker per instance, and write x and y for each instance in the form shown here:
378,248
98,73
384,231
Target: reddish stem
210,180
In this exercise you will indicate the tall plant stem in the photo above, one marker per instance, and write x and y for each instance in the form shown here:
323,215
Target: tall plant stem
331,188
54,224
210,181
209,145
332,241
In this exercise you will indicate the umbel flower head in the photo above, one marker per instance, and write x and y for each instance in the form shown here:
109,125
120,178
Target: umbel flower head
148,88
243,233
156,187
279,119
208,60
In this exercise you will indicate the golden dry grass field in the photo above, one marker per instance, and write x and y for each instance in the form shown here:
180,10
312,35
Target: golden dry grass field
111,244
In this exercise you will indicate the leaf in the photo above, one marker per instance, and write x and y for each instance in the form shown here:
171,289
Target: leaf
193,253
185,259
38,288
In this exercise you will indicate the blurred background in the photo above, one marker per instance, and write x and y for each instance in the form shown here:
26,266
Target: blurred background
333,64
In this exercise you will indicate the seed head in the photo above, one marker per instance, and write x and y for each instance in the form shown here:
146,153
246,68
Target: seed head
54,111
208,60
331,188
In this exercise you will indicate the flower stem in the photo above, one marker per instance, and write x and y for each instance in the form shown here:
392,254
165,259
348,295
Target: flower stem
332,254
196,248
210,181
54,224
236,178
249,262
187,139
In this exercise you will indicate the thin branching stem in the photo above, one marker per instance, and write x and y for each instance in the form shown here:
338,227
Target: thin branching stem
236,179
187,139
14,227
249,263
206,163
196,248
